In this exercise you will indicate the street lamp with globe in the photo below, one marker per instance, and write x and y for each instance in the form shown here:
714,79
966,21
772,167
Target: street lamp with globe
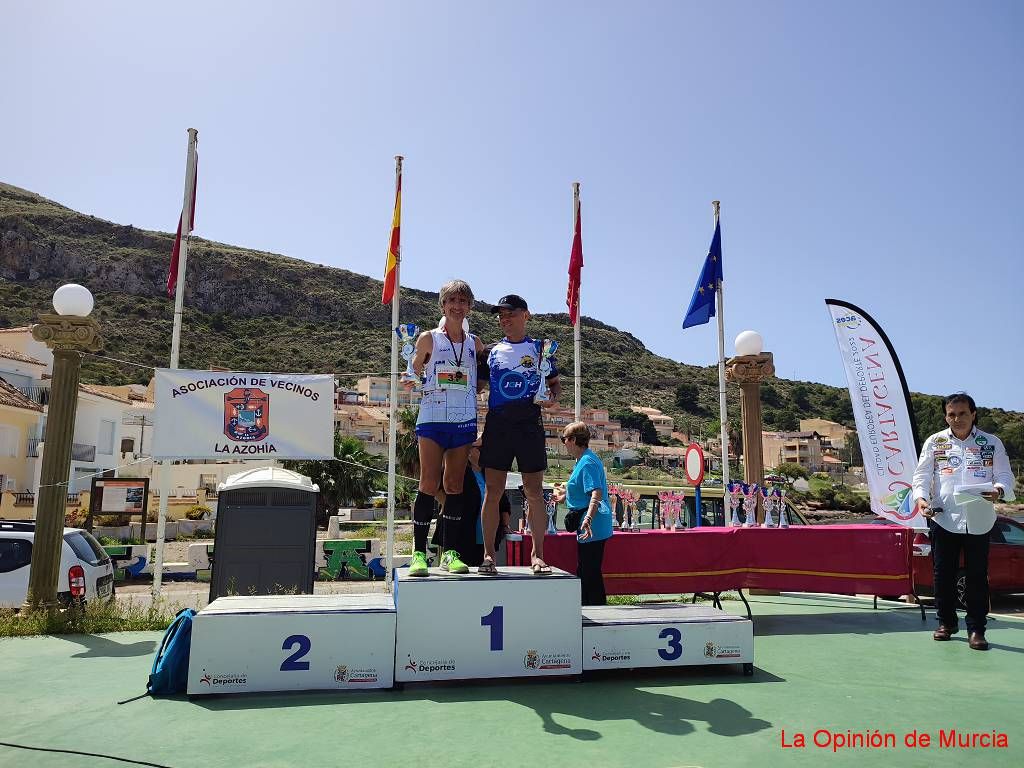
69,333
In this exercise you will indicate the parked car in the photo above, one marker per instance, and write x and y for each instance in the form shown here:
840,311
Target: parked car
1005,560
86,572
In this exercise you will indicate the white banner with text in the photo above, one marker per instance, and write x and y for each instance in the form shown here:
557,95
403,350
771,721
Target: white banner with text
882,410
239,415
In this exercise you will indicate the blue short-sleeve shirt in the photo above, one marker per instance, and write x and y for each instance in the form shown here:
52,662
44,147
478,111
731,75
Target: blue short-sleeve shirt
588,475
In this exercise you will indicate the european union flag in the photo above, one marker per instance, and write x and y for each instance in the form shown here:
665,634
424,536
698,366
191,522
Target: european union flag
702,305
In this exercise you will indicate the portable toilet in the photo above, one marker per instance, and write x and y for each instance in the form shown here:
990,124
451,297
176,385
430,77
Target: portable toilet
265,541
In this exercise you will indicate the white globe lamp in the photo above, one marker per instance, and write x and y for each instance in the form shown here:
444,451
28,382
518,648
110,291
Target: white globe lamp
749,343
73,299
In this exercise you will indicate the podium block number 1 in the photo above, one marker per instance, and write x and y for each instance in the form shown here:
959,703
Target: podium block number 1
292,663
495,620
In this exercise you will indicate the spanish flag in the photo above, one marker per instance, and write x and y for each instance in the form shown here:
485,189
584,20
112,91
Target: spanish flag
394,248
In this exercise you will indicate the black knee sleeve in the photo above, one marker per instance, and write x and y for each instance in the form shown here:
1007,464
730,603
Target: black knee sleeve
422,514
451,521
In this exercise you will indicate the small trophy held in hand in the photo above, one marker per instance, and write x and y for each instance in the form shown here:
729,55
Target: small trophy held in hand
546,349
407,333
552,509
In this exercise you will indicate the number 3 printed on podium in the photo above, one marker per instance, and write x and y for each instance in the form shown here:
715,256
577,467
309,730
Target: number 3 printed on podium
292,663
495,620
675,648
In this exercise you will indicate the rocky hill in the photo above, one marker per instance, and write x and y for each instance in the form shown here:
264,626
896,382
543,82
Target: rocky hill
252,310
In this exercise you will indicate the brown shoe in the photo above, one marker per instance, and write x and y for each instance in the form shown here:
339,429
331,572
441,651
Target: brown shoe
977,641
944,632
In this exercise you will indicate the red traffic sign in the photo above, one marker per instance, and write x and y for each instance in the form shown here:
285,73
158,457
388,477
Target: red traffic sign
693,464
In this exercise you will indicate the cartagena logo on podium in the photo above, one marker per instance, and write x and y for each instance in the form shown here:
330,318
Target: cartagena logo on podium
538,660
712,651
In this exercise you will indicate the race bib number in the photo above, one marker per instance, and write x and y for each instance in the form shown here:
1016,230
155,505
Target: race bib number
452,376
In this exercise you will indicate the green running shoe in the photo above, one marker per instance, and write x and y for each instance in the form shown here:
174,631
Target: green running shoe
450,562
418,564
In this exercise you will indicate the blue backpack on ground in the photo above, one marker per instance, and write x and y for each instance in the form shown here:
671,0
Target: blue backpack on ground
170,667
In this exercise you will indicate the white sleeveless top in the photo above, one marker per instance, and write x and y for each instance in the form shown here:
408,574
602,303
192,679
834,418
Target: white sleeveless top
449,382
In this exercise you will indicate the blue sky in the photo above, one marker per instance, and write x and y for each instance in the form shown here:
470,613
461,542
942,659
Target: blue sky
865,151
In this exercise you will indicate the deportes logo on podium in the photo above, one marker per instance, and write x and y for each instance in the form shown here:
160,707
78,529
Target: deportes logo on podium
433,665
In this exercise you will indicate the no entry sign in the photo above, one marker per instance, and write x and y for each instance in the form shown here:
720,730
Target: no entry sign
693,462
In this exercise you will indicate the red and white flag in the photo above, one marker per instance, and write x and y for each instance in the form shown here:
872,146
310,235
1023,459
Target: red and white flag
172,274
572,296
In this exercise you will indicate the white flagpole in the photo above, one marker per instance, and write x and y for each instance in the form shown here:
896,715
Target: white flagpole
179,297
393,410
721,372
577,344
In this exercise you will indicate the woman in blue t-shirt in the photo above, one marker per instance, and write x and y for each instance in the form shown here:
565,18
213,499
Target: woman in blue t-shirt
586,493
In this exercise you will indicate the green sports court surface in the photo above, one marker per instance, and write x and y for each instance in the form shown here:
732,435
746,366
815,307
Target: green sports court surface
823,664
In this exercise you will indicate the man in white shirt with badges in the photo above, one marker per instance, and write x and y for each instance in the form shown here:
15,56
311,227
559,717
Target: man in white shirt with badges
513,429
962,470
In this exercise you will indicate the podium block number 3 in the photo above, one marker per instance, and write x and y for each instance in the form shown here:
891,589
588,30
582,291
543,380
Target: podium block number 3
292,663
675,648
495,620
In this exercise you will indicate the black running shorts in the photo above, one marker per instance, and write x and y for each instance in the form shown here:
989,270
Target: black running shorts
514,433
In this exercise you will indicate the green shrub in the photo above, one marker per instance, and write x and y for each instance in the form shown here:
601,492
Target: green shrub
95,618
824,495
75,518
198,512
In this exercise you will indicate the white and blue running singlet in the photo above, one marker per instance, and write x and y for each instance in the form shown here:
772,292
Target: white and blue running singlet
514,374
449,384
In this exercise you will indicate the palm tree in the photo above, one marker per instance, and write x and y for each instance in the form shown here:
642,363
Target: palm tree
407,451
644,452
348,479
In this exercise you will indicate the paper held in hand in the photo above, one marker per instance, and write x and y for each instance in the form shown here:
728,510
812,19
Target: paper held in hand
980,513
974,490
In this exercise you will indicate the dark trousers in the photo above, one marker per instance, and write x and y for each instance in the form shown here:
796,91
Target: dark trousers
946,548
588,568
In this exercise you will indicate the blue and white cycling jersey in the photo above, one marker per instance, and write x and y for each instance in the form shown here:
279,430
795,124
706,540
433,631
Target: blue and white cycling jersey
515,377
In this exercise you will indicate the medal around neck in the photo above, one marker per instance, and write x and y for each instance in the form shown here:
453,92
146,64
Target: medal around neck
407,333
546,349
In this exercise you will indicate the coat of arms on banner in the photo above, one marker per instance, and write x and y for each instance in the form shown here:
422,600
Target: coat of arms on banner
246,414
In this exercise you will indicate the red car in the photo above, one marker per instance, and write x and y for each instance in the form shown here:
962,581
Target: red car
1005,560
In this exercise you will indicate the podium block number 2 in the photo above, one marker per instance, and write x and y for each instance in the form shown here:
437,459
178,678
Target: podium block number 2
292,663
495,620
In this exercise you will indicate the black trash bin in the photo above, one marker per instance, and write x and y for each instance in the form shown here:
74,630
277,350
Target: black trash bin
265,541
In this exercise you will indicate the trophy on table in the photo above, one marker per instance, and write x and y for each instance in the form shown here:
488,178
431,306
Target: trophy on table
769,503
735,499
407,333
749,505
669,512
613,500
780,503
546,349
676,501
